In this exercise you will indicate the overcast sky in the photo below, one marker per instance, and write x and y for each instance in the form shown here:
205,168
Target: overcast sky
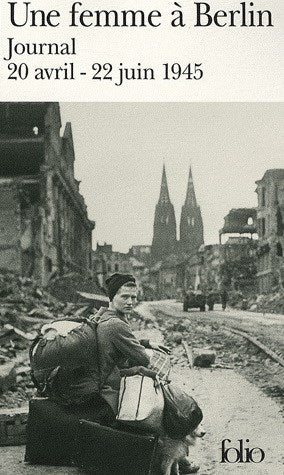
120,149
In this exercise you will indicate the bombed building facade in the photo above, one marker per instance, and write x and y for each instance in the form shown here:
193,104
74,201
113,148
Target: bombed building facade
45,230
270,221
106,262
231,264
238,251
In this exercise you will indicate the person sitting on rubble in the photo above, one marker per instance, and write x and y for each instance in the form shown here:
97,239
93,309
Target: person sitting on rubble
87,379
118,347
82,390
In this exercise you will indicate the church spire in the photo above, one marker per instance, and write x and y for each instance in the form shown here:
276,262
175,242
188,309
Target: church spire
190,199
164,235
191,224
164,190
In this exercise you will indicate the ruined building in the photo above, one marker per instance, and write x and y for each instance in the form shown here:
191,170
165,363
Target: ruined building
270,222
239,221
164,236
238,251
106,262
45,230
191,224
141,252
231,264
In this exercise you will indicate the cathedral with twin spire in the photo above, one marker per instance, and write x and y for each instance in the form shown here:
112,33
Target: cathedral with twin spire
191,225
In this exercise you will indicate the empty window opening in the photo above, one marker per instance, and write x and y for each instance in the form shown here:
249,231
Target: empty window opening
279,250
263,201
263,227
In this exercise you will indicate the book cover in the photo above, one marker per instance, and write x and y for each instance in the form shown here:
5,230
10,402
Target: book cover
147,139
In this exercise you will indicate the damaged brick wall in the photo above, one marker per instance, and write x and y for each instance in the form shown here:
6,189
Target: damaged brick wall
270,221
10,223
29,196
239,221
19,225
45,229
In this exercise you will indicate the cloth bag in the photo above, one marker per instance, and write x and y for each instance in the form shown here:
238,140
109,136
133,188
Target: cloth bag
141,402
181,412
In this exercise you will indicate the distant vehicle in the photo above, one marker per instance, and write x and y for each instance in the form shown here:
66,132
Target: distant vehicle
194,299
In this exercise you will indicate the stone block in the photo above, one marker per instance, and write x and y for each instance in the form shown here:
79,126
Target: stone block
177,337
203,358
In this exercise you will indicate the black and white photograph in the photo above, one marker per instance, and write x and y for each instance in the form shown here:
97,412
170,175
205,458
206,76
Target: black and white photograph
141,288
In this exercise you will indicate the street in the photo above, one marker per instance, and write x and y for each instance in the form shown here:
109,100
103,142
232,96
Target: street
240,396
211,330
270,327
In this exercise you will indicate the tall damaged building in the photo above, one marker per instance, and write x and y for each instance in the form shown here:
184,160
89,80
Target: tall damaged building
45,230
270,220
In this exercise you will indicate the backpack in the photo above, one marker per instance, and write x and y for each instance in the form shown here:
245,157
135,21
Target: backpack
66,368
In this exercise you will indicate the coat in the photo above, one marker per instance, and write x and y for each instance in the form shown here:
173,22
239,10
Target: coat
118,349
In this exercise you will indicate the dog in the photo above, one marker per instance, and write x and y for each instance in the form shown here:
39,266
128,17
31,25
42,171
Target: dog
173,452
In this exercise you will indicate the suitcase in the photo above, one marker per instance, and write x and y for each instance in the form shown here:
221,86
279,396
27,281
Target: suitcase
52,434
108,451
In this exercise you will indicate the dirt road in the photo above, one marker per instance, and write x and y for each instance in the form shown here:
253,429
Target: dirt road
234,408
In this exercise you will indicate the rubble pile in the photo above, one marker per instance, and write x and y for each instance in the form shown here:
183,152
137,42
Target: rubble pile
24,308
264,303
232,351
22,298
269,303
65,288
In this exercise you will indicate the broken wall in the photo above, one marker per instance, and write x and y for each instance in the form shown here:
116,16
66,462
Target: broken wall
241,221
270,214
19,225
45,230
10,226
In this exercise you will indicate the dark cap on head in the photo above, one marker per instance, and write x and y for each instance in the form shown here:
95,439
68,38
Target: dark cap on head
115,281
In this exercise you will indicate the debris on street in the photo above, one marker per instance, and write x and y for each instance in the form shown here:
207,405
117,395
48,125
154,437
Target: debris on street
263,303
269,303
208,333
204,358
